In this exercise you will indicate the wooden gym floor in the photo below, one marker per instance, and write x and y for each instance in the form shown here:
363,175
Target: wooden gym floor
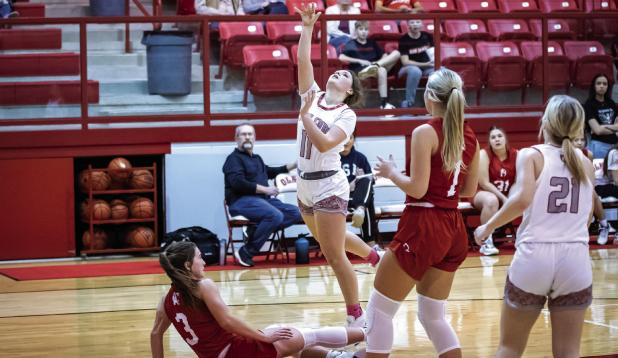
112,316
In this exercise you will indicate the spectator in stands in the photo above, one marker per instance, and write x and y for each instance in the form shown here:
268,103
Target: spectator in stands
265,7
356,168
367,59
606,185
416,49
496,177
248,193
398,6
599,212
7,10
600,116
340,32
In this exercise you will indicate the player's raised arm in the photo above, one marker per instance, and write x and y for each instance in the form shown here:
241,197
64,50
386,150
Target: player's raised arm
305,68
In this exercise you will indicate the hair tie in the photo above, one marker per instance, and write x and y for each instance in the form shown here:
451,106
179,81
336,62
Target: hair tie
453,88
566,137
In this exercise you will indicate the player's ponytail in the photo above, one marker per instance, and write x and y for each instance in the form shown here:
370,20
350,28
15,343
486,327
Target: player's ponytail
561,123
446,87
173,261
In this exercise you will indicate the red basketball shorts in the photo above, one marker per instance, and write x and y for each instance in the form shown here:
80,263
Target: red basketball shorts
430,237
249,348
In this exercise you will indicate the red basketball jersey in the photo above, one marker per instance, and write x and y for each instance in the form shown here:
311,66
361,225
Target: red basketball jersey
502,173
443,190
197,327
185,7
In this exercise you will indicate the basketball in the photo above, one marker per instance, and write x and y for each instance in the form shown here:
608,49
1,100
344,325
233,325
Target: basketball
93,179
99,242
101,210
84,210
142,179
142,208
119,169
120,210
141,236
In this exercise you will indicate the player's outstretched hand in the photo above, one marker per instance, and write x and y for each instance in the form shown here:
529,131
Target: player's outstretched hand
385,168
480,234
279,334
307,14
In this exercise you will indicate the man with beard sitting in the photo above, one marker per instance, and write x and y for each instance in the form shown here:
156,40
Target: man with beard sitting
248,193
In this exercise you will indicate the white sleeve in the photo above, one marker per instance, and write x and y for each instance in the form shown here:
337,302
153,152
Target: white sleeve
612,160
347,122
303,96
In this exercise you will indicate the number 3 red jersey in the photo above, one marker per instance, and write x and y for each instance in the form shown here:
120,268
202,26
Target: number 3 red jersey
443,190
502,173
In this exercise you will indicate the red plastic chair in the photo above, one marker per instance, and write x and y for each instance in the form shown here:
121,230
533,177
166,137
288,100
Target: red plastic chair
550,6
589,59
460,57
438,5
503,66
559,64
285,33
234,36
384,31
559,29
334,63
599,5
601,28
468,6
508,6
268,71
298,3
466,30
362,5
510,29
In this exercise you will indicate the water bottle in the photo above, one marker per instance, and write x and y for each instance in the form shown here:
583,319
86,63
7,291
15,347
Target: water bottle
302,251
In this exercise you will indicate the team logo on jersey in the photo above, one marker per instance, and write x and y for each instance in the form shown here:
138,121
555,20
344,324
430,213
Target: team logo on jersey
502,173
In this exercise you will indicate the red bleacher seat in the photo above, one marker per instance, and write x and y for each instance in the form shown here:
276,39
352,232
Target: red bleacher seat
39,64
510,29
549,6
466,30
316,59
559,29
30,39
33,93
234,36
30,10
503,66
291,4
268,70
589,59
599,5
508,6
559,64
438,5
460,57
384,31
362,5
285,33
602,28
467,6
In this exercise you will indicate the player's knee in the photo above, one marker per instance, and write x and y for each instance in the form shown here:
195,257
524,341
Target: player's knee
492,203
380,313
432,315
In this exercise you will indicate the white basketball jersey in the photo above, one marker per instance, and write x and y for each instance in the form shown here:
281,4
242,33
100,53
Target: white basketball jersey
561,207
325,117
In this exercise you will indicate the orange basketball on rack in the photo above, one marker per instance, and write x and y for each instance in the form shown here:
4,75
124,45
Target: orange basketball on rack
101,210
120,210
84,210
142,208
141,236
99,242
93,179
119,169
142,179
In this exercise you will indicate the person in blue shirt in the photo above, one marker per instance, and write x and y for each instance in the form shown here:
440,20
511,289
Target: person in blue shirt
356,167
248,193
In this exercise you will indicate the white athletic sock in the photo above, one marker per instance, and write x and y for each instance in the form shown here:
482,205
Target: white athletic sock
328,337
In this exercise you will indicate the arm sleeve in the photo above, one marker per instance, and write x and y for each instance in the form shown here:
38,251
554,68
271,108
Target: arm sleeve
364,164
379,51
234,173
272,172
347,122
430,39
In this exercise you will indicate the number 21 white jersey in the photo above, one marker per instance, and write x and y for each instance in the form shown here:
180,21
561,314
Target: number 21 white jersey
561,207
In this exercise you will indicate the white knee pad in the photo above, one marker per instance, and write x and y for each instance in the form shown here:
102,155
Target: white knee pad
380,312
329,337
432,315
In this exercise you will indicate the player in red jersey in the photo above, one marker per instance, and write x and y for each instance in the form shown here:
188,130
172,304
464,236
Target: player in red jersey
496,177
431,240
199,314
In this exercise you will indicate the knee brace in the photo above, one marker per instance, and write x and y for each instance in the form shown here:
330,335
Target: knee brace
432,315
380,312
329,337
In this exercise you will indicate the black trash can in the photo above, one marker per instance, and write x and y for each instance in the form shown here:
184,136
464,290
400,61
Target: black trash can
168,59
107,7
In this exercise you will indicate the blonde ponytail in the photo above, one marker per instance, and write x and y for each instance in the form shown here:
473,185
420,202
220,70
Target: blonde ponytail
446,87
562,122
